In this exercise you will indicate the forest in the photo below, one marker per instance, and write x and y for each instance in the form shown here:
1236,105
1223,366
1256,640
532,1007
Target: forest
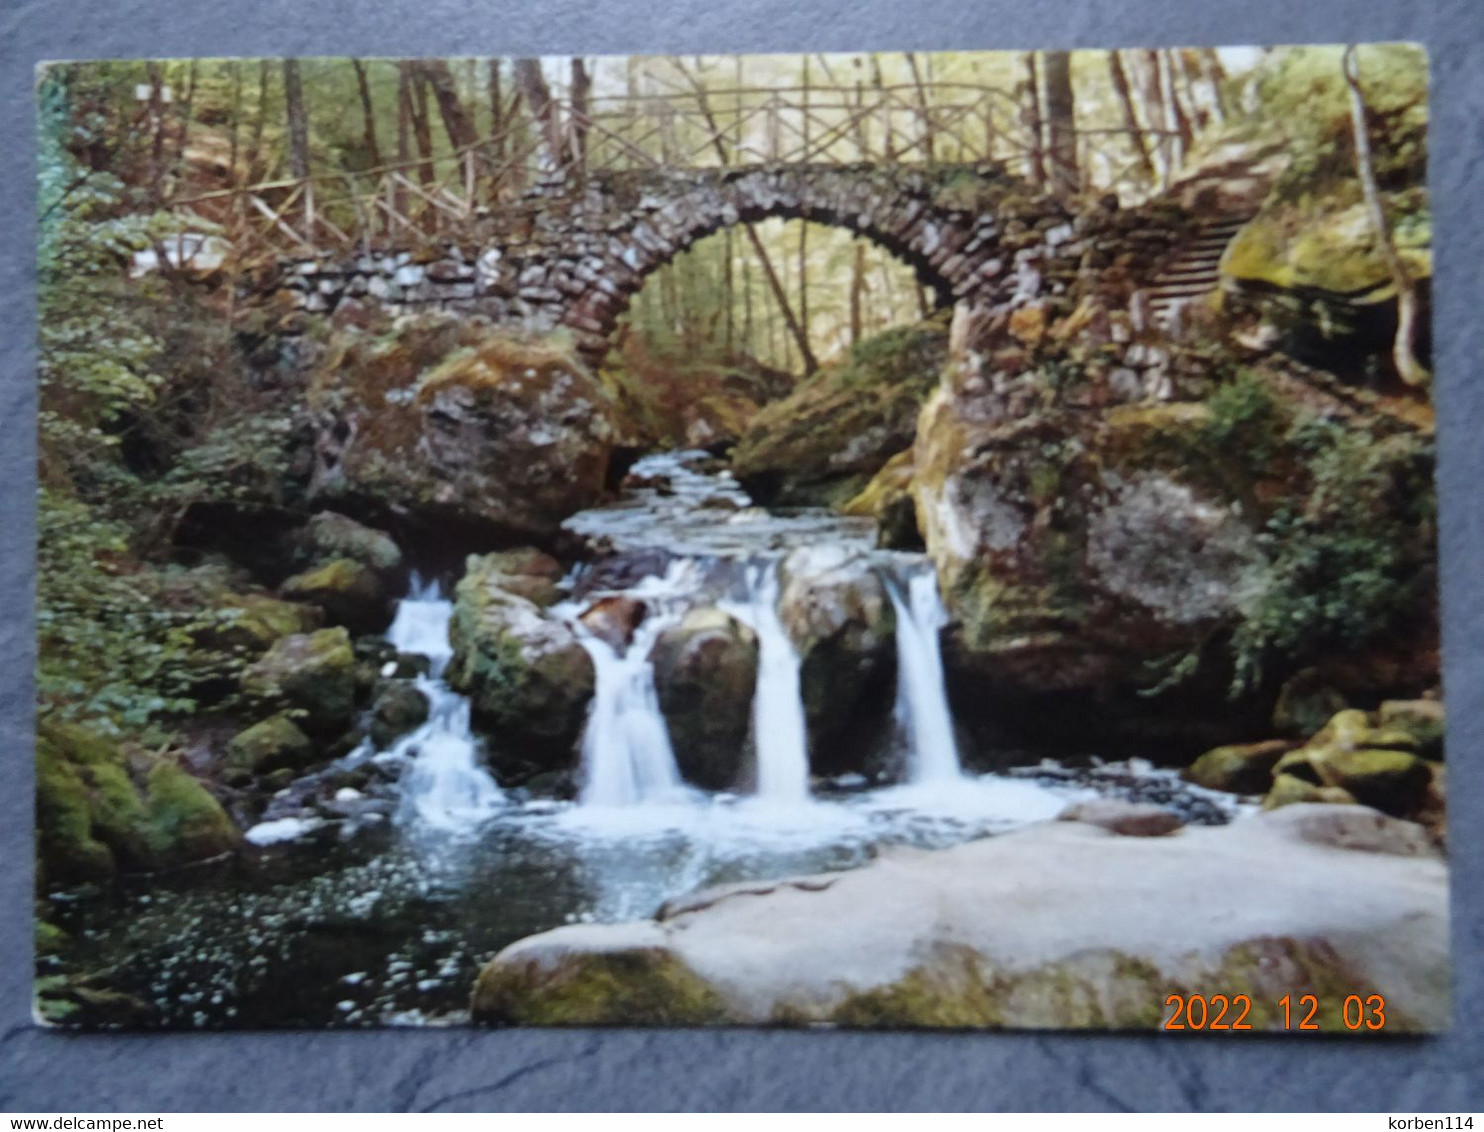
489,509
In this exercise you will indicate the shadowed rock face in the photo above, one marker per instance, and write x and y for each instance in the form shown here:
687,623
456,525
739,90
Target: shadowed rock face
1062,924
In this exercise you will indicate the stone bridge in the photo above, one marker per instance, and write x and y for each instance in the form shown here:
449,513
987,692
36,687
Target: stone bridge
574,256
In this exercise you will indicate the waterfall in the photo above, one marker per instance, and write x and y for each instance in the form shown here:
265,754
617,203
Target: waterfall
922,711
445,787
627,759
780,735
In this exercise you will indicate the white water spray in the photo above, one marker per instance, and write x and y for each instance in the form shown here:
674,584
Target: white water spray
922,711
627,759
780,734
444,788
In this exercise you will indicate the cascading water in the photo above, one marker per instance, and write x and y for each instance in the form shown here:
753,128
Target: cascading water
627,759
444,788
922,711
780,734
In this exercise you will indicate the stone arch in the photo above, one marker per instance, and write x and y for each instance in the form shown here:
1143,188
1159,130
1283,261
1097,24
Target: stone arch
946,248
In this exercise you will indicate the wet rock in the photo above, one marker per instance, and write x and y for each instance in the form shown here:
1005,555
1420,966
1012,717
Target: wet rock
1288,789
351,594
275,743
311,672
1060,924
1241,768
399,709
475,433
837,613
705,670
528,679
1127,819
614,619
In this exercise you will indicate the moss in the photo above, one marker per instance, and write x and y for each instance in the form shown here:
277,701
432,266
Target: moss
823,443
312,672
50,939
639,987
275,742
1245,768
189,823
258,621
64,823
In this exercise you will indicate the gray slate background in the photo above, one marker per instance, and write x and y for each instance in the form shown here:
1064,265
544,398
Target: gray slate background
384,1070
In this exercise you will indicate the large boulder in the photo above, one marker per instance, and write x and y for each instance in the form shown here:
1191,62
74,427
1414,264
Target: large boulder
1059,925
312,674
448,423
400,708
328,536
350,592
836,611
824,442
1367,758
1240,768
527,677
1159,543
275,743
705,670
96,815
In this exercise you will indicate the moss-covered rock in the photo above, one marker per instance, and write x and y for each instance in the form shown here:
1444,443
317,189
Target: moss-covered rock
705,669
638,987
527,677
1306,703
1241,768
189,824
451,423
352,593
1290,789
823,443
888,500
93,819
400,708
328,536
274,743
1423,720
311,673
255,621
1393,782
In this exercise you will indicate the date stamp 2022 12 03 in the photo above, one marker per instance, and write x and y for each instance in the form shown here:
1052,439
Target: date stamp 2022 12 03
1302,1013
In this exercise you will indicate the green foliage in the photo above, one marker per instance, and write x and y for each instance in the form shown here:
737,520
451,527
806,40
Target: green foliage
1245,420
1345,559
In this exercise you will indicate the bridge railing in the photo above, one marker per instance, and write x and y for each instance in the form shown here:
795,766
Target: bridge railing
427,200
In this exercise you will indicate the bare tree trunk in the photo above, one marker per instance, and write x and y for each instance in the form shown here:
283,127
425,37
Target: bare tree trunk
422,128
1031,119
157,128
298,120
1154,109
857,288
1061,123
538,97
1215,75
1176,120
888,144
1403,353
1130,117
456,121
368,115
497,109
804,278
728,297
236,66
185,118
582,85
255,141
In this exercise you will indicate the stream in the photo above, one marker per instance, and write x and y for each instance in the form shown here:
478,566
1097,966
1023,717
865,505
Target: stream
383,911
